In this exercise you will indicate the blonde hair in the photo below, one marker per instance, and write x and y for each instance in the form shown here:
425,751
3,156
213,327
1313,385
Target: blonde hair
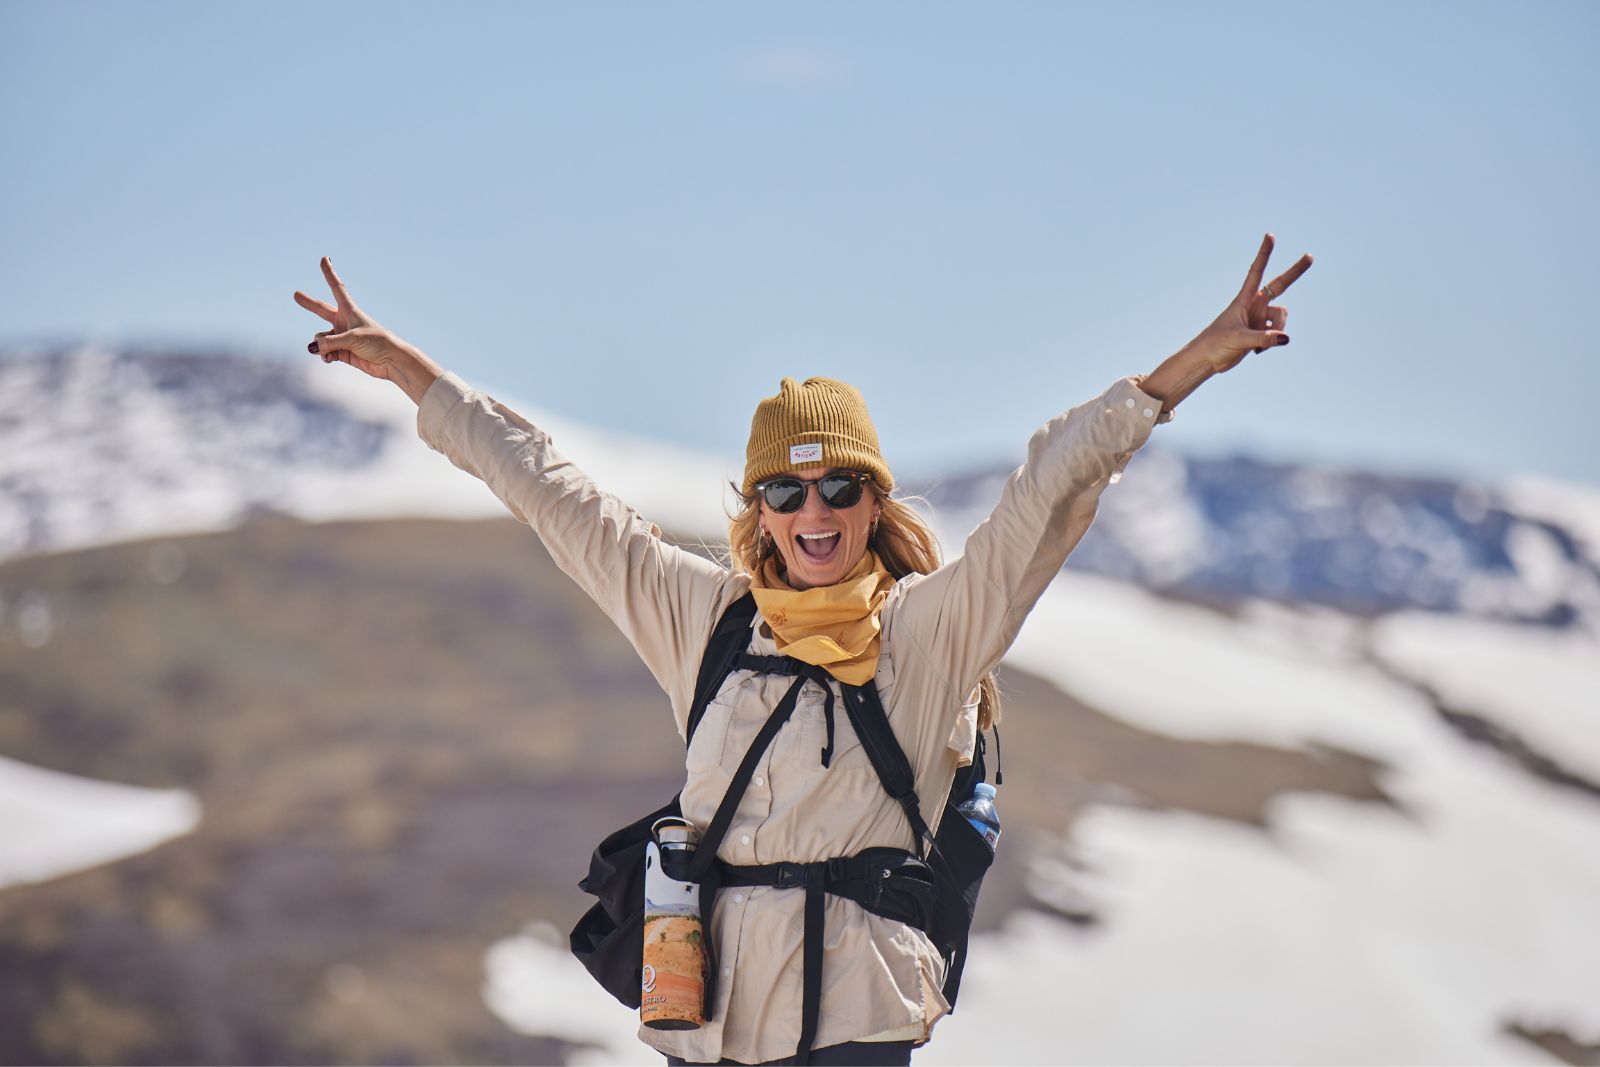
901,537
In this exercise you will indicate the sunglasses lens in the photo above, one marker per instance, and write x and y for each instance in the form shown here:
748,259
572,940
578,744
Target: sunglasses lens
839,490
785,494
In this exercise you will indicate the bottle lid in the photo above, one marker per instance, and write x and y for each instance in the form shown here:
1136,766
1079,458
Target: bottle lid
672,830
983,789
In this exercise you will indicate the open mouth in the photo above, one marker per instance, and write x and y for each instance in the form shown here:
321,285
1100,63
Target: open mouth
819,547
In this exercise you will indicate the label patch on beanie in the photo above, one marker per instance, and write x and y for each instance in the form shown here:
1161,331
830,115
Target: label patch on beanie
805,453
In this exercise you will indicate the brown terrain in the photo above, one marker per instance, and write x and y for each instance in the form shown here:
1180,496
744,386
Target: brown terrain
406,737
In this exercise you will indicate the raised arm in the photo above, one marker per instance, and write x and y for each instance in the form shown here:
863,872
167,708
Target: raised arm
663,598
965,615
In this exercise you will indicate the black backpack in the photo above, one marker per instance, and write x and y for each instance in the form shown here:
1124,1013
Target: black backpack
934,889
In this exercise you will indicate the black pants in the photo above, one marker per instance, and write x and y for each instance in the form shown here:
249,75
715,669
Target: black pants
849,1054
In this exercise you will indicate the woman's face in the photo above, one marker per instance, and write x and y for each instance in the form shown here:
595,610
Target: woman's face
839,536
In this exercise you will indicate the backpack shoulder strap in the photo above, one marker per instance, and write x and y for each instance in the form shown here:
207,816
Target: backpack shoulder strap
973,773
883,750
730,637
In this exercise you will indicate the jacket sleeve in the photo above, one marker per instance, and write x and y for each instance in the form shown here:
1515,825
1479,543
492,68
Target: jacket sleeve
660,596
963,616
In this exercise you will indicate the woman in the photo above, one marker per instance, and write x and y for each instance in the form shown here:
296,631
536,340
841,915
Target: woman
844,577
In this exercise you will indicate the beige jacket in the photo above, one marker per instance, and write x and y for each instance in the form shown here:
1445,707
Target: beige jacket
941,633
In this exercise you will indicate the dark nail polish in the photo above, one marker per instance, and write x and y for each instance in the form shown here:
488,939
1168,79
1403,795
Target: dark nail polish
1283,339
312,348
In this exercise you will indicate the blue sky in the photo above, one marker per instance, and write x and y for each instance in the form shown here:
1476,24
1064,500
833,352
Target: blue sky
643,215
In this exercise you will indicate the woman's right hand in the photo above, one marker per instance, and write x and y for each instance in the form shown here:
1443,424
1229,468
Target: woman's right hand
356,337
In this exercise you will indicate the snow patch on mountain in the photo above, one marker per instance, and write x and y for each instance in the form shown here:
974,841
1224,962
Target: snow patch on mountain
1298,675
1226,530
100,445
52,823
536,985
1348,934
1544,685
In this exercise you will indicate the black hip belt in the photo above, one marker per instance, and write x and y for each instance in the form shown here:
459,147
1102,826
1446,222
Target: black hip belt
890,882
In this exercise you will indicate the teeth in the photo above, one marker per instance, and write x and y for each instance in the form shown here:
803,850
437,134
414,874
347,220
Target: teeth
818,537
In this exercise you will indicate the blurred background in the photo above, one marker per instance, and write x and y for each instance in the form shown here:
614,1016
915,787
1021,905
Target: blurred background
304,741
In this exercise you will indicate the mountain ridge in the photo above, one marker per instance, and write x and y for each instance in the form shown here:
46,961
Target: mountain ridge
101,444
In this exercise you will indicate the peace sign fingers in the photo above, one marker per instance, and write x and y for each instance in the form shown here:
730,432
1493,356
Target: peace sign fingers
1276,287
343,314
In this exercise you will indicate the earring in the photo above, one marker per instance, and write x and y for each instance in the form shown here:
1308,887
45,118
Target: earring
873,532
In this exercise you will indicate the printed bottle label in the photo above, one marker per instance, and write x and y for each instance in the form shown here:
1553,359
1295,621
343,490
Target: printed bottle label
672,994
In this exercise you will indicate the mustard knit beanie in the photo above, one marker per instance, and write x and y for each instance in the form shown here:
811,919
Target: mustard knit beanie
820,422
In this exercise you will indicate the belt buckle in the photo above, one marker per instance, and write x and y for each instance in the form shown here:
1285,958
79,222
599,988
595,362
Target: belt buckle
791,876
877,880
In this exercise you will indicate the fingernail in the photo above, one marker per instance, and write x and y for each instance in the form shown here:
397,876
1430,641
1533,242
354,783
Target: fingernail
1283,339
312,348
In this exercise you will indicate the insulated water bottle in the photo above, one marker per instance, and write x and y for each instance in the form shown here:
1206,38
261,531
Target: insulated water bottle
979,811
672,993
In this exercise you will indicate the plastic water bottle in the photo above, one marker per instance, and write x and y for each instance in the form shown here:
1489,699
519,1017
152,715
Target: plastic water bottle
979,811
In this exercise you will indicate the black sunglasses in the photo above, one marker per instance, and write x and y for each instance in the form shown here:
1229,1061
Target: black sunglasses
838,489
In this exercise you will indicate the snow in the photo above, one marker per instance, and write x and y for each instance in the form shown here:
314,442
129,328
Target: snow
1187,671
1174,536
677,488
1351,935
113,458
1544,684
52,824
1570,505
536,986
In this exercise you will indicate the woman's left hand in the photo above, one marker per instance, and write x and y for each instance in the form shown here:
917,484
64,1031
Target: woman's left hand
1252,322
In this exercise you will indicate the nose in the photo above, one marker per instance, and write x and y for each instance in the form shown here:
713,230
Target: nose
814,507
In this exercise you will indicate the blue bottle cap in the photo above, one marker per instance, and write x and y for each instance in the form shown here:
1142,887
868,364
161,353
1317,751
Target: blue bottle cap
983,789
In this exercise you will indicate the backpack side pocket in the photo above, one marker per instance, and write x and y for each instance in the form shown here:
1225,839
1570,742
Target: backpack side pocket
609,939
966,858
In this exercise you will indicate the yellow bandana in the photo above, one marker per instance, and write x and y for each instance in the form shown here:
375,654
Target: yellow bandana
834,627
